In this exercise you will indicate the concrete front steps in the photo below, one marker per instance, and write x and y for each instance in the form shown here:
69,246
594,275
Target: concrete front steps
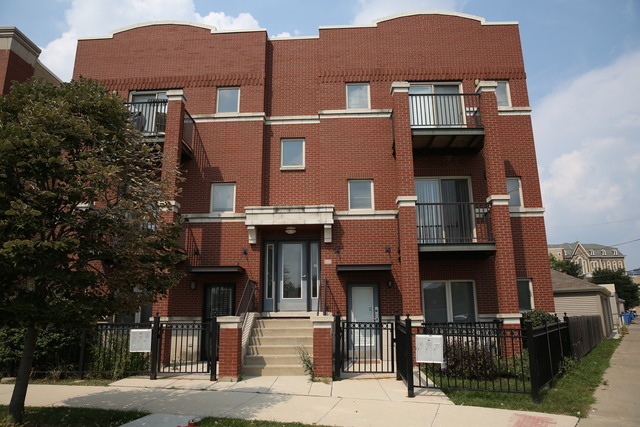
273,347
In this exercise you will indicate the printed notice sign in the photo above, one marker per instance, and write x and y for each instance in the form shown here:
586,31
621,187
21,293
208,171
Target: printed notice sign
140,340
429,348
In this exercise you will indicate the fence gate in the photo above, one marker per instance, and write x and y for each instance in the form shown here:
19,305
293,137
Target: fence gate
184,348
363,347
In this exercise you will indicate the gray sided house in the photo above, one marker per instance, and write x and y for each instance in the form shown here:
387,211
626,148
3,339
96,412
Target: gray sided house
577,297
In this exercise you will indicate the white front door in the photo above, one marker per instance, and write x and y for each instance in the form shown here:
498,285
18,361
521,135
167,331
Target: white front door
363,316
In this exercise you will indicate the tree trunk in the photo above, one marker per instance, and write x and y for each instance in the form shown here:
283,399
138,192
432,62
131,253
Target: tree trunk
16,407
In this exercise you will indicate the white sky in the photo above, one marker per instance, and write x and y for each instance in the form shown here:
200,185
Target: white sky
583,70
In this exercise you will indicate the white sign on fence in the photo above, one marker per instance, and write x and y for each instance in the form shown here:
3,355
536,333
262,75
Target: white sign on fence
429,348
140,340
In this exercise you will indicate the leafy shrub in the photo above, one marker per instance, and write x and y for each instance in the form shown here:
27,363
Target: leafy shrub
539,317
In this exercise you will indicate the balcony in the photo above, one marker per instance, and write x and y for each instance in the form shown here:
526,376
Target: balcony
446,123
454,227
149,117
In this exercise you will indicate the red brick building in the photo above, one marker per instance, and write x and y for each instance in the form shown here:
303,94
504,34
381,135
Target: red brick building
370,170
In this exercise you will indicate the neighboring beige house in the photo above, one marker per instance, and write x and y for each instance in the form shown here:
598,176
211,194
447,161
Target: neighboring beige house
588,256
577,297
617,306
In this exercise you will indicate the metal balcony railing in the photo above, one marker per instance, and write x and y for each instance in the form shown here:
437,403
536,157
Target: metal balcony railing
149,117
445,111
453,223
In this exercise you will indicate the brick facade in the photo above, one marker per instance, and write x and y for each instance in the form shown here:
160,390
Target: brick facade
295,88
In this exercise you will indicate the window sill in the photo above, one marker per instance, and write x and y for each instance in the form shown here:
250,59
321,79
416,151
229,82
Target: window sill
292,168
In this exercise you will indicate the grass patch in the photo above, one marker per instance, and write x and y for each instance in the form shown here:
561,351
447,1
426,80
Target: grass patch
572,394
64,417
72,381
235,422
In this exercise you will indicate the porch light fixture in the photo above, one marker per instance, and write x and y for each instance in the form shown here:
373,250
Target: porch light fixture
290,230
390,284
192,285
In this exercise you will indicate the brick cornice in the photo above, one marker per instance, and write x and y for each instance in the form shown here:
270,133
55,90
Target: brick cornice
202,80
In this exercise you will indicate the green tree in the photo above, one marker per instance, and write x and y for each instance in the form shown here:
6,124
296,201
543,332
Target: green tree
566,266
80,205
625,288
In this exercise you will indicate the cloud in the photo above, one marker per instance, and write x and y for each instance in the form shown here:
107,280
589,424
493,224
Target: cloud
586,136
371,10
86,18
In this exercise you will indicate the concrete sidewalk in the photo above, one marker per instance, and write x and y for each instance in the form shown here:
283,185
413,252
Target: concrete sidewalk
617,397
369,400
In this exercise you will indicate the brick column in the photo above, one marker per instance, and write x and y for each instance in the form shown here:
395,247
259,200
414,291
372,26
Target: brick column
230,353
323,346
409,283
505,270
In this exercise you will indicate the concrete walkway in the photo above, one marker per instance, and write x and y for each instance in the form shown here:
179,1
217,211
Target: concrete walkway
617,397
368,400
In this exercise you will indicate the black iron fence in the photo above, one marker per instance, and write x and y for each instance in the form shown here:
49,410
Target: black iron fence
364,347
459,110
491,356
453,223
104,351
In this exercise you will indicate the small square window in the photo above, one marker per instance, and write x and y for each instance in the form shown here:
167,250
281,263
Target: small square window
361,194
228,100
223,197
502,94
514,191
357,96
292,154
524,295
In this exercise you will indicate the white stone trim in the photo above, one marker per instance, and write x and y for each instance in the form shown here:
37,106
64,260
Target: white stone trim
328,233
363,214
289,215
422,12
176,95
14,40
229,117
514,111
517,211
215,217
293,120
294,38
252,234
499,199
152,23
354,114
406,201
230,322
400,87
486,86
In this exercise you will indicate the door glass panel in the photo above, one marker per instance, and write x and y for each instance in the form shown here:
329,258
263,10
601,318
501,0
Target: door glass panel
315,269
429,211
292,270
434,295
448,106
462,302
457,213
270,267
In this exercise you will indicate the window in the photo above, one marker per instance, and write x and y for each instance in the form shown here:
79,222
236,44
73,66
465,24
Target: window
228,100
514,191
502,94
361,194
223,197
357,95
445,301
615,252
525,300
292,154
592,252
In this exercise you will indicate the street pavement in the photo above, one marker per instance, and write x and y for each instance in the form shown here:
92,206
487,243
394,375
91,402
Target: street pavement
366,400
617,399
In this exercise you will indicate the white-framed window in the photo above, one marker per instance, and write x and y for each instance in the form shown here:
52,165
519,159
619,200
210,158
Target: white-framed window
449,301
223,197
360,194
358,96
514,189
503,95
592,252
525,295
228,100
603,252
292,153
615,252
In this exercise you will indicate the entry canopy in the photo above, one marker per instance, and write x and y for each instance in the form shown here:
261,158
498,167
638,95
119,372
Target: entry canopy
362,267
215,269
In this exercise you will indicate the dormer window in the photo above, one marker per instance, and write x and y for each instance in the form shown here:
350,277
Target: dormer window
603,252
592,252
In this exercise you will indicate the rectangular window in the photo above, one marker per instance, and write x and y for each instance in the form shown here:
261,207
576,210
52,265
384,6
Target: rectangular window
502,94
228,100
524,295
292,154
361,194
357,96
223,197
270,278
514,191
449,301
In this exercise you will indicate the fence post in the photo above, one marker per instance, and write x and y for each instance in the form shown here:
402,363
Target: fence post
213,349
83,347
568,321
337,348
553,376
155,338
533,361
398,342
409,357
